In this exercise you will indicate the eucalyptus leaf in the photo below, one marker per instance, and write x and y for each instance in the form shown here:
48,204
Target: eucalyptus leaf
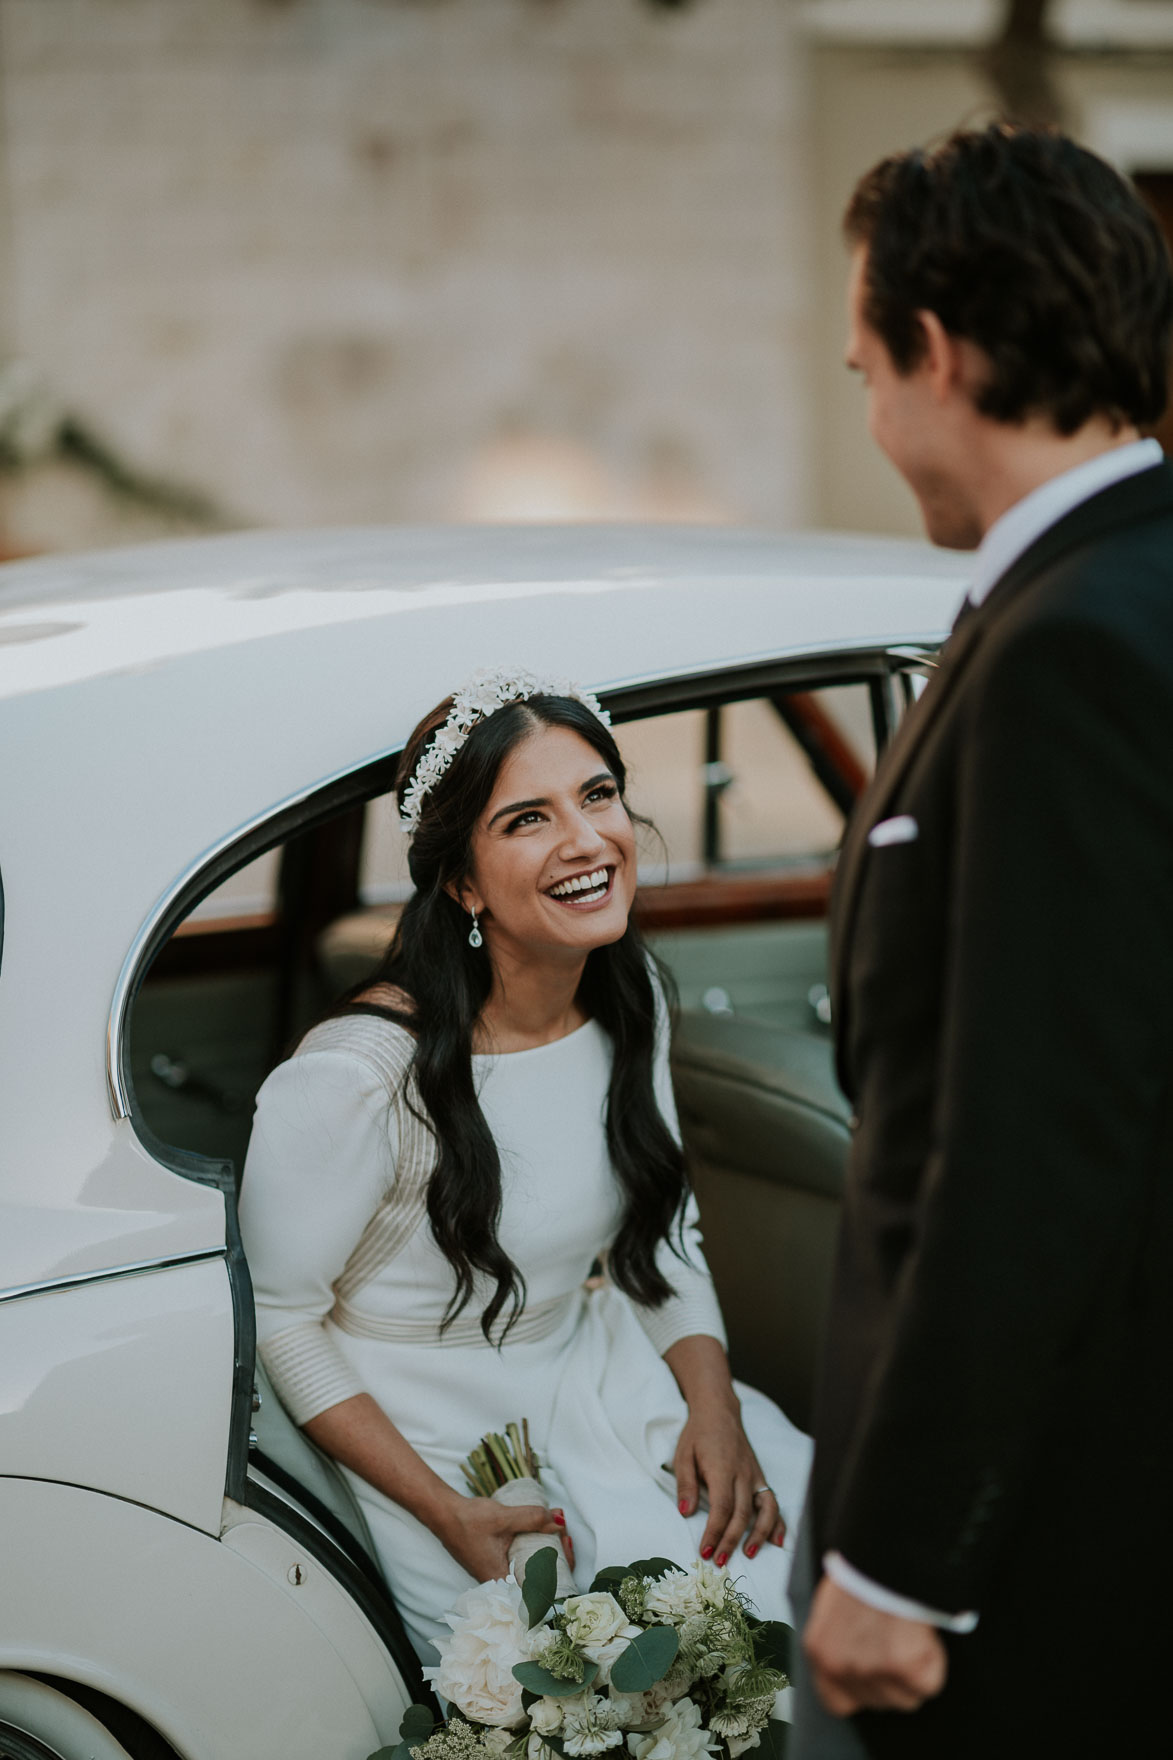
609,1579
651,1567
540,1680
540,1584
646,1660
418,1724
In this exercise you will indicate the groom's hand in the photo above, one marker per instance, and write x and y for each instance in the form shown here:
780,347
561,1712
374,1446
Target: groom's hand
862,1659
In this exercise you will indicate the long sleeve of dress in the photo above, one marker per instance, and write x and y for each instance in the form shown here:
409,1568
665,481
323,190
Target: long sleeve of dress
320,1162
694,1306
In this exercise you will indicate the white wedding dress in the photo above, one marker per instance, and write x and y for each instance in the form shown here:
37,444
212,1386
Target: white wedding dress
351,1288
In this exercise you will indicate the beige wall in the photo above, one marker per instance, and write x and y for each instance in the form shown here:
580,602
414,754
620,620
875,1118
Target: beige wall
362,260
868,102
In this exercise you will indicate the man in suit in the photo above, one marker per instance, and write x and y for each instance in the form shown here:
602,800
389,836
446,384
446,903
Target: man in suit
989,1524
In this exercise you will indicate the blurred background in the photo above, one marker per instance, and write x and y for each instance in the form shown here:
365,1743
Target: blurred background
297,262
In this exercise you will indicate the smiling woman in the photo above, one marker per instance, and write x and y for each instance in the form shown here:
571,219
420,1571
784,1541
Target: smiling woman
435,1170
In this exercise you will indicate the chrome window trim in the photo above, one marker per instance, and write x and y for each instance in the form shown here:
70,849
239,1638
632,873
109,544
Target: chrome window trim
643,686
111,1273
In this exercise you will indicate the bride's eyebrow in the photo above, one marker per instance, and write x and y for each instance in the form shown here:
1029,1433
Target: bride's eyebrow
543,801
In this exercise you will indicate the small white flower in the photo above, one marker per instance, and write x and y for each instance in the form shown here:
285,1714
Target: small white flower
546,1716
589,1725
681,1736
739,1744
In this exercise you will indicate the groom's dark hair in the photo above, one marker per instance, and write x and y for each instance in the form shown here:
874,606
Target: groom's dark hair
1037,251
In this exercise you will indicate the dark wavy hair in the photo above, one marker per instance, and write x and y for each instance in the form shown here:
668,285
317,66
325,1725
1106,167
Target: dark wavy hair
1037,251
446,983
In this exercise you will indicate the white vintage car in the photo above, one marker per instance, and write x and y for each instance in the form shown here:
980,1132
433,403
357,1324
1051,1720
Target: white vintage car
196,854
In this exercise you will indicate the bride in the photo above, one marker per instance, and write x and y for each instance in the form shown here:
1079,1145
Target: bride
434,1171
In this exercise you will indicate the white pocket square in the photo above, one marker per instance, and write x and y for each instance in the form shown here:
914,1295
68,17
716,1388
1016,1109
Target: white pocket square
902,829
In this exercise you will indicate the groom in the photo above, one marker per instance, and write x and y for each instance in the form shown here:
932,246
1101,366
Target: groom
989,1529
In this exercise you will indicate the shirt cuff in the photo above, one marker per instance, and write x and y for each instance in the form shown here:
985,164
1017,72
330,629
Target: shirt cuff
887,1601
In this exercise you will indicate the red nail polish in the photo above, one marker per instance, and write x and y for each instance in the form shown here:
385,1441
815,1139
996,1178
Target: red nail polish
781,1541
706,1552
751,1551
720,1559
558,1517
684,1506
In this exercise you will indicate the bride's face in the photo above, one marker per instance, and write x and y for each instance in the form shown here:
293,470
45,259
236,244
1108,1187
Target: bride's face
553,854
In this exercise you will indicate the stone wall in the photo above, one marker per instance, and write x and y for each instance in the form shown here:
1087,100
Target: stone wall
364,260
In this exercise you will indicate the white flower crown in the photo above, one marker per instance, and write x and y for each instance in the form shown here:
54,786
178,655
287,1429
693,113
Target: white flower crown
482,696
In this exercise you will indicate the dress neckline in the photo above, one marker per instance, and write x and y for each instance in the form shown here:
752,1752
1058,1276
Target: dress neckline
534,1050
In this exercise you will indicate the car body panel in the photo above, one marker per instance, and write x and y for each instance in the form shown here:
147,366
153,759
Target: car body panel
85,1380
214,1643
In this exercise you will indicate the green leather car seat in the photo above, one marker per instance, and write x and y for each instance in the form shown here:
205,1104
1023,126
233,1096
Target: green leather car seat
766,1131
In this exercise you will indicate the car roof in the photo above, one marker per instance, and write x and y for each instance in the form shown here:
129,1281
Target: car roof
63,619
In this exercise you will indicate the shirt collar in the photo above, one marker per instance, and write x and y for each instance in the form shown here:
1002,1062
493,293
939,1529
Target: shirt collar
1045,506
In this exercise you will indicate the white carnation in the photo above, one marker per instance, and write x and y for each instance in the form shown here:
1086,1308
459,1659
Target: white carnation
682,1594
476,1662
681,1736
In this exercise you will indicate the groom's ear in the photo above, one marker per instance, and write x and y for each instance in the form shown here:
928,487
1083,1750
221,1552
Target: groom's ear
951,363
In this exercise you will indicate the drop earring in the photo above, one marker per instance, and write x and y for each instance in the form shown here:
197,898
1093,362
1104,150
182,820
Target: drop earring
475,938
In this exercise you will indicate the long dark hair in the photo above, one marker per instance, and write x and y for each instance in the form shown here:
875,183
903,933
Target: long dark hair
448,984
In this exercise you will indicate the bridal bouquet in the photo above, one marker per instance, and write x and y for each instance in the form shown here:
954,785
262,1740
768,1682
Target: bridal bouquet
658,1662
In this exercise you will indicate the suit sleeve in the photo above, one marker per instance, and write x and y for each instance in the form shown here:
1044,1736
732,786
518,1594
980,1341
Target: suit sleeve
1054,1067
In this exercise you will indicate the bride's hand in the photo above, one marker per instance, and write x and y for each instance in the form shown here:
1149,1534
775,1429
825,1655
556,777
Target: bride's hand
478,1532
714,1451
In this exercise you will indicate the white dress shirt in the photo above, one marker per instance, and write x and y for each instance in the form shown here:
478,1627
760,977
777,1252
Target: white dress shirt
1007,539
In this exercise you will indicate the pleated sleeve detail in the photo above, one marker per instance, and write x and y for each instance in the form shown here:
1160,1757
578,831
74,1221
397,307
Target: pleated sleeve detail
321,1165
694,1307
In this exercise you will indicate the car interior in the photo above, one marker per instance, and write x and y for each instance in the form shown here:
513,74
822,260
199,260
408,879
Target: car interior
748,781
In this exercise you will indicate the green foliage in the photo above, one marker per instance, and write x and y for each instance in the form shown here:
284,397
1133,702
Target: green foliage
646,1660
540,1584
537,1679
773,1643
774,1738
418,1724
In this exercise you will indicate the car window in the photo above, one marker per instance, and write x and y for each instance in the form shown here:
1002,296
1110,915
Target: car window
750,784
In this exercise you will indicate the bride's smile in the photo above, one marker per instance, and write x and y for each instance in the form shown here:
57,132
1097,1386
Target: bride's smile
553,854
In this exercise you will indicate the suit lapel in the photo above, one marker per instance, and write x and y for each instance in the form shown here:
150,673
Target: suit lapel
1146,495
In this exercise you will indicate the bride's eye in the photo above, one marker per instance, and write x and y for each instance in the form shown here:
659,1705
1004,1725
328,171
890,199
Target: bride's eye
532,817
606,791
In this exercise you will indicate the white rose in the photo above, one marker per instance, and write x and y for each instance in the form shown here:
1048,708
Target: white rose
680,1737
476,1662
497,1740
592,1619
546,1717
606,1655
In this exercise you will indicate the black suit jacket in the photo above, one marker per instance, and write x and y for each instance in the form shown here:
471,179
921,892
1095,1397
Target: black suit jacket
994,1419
